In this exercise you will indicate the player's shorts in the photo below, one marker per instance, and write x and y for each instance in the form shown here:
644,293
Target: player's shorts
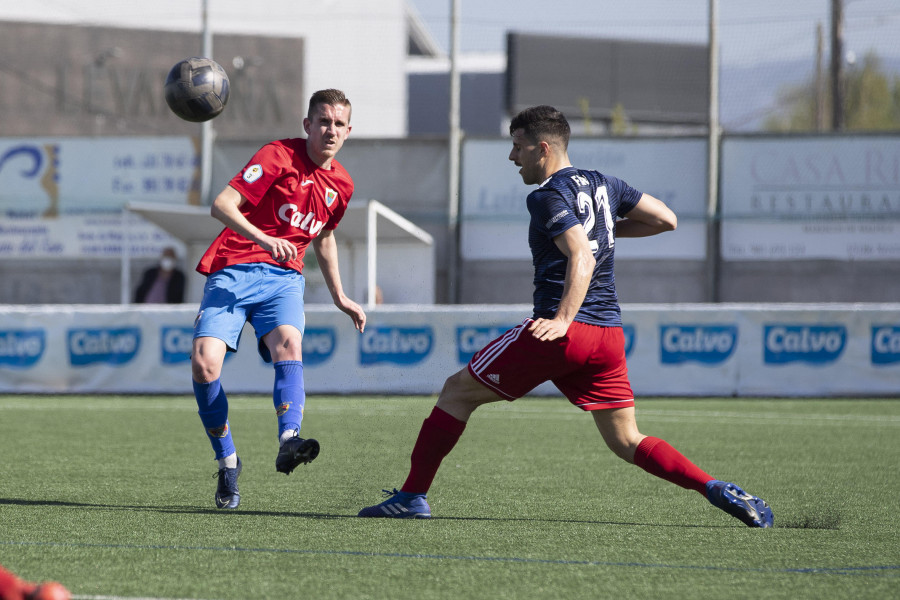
587,365
264,295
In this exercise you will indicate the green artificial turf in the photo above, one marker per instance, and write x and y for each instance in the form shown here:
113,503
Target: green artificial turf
113,497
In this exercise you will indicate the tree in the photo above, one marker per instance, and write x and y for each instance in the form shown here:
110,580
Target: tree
619,123
872,102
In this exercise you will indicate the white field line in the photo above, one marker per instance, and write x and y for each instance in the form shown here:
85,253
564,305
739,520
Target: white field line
87,597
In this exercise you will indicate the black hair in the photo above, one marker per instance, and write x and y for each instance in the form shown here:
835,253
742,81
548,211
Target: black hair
541,122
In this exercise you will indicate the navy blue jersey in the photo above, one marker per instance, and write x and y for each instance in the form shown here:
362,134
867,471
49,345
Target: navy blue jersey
569,197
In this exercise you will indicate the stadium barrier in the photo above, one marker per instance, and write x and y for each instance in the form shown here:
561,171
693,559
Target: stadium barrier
673,349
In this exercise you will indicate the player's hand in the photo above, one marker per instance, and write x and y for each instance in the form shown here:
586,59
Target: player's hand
355,311
548,329
280,249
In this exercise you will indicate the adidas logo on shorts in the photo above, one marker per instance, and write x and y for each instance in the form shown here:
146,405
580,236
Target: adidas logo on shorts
494,377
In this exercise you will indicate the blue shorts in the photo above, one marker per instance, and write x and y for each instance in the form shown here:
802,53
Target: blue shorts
264,295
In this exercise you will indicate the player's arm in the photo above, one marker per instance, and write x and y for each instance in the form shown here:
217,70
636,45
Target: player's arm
227,209
573,242
650,216
326,252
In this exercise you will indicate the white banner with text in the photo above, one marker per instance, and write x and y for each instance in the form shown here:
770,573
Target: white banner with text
494,220
673,350
825,198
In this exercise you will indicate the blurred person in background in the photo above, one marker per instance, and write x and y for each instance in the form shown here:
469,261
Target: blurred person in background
163,283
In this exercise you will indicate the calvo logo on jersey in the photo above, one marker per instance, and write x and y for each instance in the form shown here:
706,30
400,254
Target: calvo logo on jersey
177,343
109,346
472,338
318,345
815,344
22,348
706,344
398,345
885,344
290,213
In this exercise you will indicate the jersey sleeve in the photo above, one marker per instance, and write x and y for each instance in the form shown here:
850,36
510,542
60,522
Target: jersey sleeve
551,214
263,169
627,195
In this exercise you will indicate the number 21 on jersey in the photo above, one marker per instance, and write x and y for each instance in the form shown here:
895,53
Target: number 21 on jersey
591,206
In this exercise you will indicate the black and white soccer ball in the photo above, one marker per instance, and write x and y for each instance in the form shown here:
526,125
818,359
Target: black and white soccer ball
197,89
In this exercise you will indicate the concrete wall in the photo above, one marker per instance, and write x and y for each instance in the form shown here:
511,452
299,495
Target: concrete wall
100,42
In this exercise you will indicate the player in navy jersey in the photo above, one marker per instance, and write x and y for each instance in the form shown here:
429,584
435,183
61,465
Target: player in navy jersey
574,337
292,193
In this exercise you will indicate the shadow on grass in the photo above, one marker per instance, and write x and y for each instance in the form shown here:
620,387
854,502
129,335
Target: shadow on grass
310,515
193,510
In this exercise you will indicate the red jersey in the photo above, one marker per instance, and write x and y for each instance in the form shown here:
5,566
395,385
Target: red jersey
288,196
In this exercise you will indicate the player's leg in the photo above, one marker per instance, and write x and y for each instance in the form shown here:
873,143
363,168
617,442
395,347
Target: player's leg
619,430
217,329
506,369
284,344
656,456
439,434
207,356
602,387
279,321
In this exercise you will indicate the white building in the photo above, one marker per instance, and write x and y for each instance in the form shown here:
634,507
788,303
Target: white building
359,46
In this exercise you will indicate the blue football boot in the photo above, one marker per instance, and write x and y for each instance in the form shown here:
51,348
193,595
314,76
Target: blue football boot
399,505
227,495
753,511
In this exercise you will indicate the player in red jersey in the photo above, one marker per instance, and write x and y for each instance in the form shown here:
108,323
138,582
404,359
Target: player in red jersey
292,192
574,337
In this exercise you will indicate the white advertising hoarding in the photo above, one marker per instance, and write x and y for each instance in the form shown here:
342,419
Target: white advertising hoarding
82,236
832,198
60,176
672,350
494,220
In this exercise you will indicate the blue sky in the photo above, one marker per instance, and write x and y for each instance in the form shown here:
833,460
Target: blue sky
749,32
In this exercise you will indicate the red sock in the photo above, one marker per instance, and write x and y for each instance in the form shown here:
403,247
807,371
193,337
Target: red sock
658,458
438,436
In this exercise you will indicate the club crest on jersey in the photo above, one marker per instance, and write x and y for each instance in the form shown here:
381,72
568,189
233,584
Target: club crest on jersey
253,173
330,196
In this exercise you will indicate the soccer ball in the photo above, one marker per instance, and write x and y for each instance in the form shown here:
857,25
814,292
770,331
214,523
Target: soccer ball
197,89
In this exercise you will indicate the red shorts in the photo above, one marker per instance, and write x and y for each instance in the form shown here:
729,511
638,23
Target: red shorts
587,365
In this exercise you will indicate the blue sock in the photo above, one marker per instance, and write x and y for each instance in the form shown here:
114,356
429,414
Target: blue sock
289,395
213,411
